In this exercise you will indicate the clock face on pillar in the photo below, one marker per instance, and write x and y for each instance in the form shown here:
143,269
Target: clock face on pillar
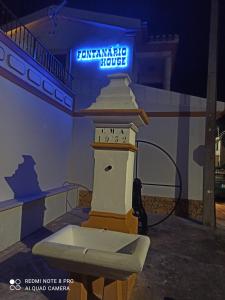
112,135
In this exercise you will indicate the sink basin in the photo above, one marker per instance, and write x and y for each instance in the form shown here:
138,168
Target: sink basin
96,252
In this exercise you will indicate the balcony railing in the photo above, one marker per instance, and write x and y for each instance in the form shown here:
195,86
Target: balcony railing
11,26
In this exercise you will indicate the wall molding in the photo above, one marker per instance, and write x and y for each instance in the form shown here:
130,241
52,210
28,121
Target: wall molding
174,114
21,69
114,146
114,112
25,85
167,114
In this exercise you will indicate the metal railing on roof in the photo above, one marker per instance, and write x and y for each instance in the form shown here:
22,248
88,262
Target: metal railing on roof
11,26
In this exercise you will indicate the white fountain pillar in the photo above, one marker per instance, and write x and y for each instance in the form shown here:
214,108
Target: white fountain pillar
116,117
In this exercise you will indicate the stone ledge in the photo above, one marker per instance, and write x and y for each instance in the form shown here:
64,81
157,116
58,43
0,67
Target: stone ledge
11,203
187,208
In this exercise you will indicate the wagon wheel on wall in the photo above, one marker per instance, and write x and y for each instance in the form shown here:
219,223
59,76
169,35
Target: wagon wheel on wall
141,211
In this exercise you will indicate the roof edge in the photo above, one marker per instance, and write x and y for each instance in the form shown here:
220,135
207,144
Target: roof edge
86,15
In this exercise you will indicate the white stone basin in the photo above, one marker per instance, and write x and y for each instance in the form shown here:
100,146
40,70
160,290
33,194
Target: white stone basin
96,252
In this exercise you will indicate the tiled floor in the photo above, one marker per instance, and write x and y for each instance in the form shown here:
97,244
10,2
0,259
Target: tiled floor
186,262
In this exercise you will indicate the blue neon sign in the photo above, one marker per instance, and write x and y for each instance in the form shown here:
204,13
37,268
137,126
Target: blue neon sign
113,57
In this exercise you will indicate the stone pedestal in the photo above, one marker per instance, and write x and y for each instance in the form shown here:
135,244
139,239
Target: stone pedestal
116,117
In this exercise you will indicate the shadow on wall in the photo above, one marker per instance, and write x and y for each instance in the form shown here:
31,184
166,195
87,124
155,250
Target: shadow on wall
182,159
199,155
88,89
24,183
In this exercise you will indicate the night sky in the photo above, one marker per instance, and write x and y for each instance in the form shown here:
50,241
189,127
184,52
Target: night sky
188,18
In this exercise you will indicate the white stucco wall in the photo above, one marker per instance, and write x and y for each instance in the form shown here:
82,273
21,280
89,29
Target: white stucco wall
35,154
30,126
182,137
82,169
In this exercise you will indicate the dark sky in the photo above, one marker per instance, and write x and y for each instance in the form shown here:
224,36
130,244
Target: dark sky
188,18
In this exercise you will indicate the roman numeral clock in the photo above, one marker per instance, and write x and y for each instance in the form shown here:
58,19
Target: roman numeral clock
116,118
